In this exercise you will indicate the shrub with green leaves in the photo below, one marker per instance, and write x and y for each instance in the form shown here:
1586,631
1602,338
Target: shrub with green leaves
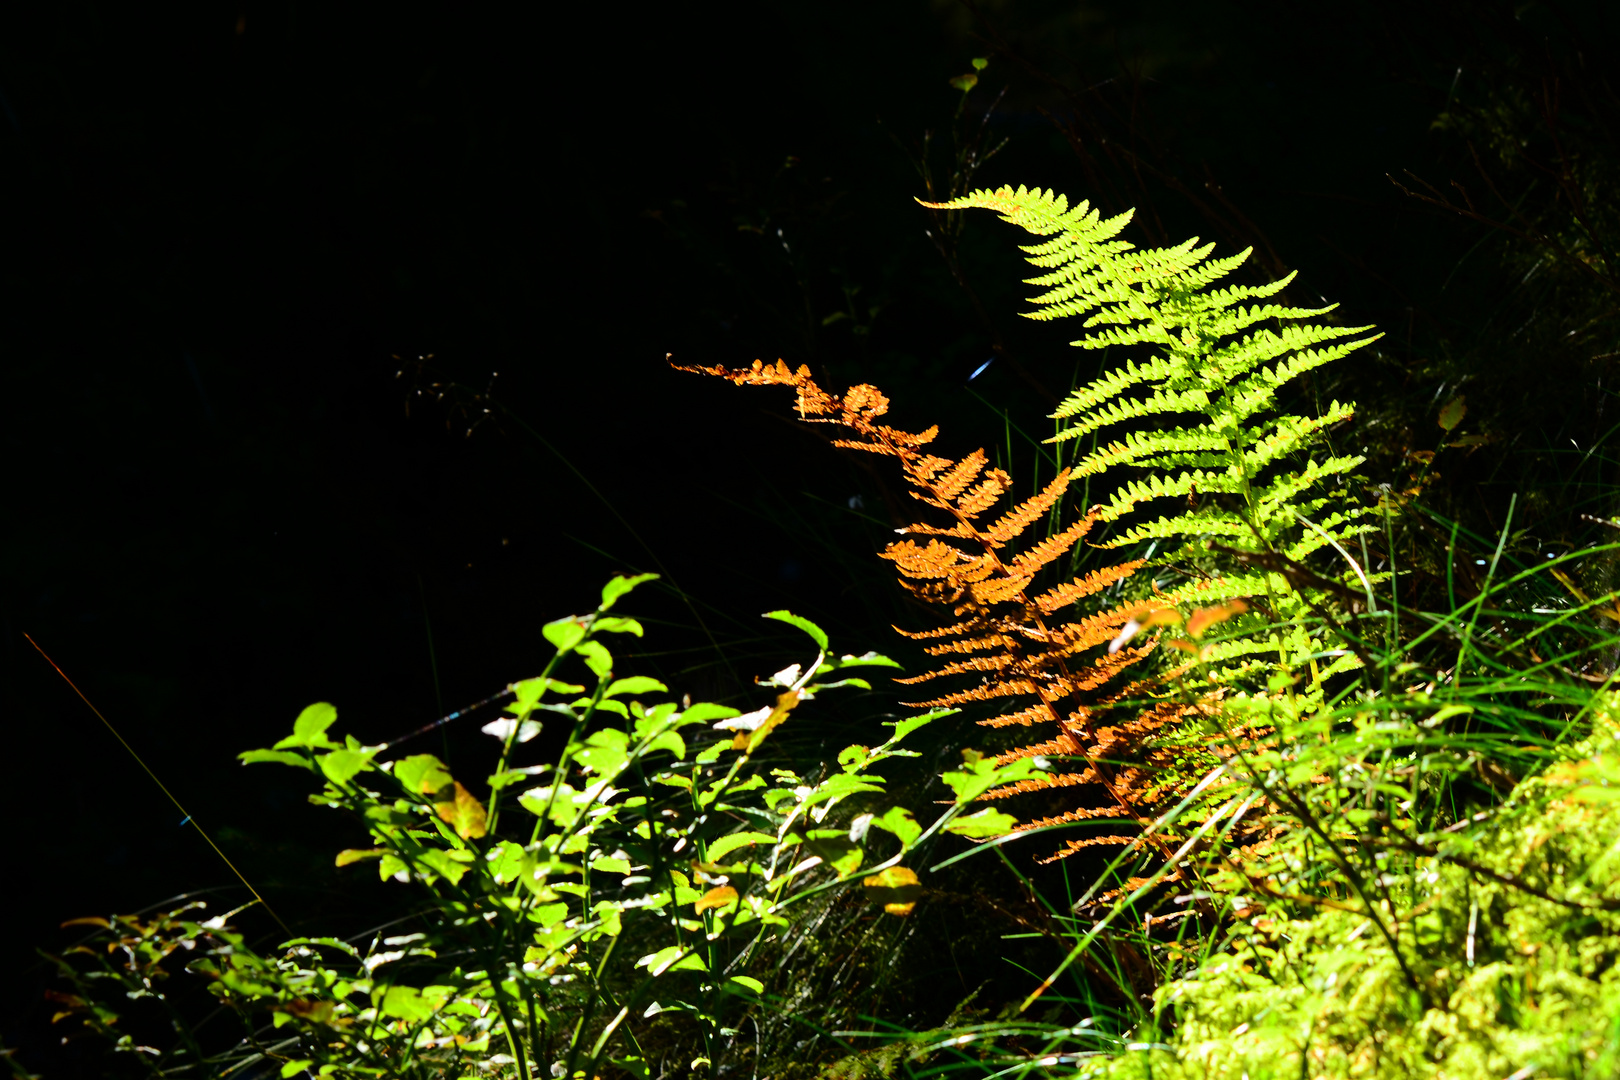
635,877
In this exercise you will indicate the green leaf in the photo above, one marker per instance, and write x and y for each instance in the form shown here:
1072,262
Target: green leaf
905,727
349,856
341,765
615,625
671,741
866,659
617,587
650,723
549,914
753,783
329,942
986,823
840,785
611,913
403,1002
836,849
670,958
499,780
440,862
635,1067
749,982
979,774
527,694
607,864
564,633
596,657
310,727
604,752
966,82
980,63
563,810
284,757
314,720
422,774
506,861
817,634
718,849
899,821
704,711
852,758
851,681
293,1068
711,753
635,684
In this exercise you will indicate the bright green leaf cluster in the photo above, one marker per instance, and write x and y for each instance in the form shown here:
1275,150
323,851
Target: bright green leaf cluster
652,824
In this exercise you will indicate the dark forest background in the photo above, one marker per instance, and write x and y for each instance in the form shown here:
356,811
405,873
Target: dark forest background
233,486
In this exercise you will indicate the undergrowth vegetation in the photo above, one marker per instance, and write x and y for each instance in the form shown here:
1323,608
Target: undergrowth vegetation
1346,831
1240,743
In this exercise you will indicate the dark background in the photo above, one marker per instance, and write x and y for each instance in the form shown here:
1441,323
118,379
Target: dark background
232,487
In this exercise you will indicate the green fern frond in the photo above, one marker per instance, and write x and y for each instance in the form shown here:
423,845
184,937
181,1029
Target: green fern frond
1110,385
1197,399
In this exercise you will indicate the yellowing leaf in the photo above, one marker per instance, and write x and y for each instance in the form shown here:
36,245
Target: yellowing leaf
1161,617
1158,617
779,712
717,897
1565,580
463,813
354,855
896,888
306,1009
1452,412
1205,618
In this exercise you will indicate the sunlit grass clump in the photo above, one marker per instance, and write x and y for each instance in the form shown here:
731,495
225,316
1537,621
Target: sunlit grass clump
1504,965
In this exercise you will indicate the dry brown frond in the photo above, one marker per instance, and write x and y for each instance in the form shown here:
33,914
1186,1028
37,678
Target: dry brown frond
1061,670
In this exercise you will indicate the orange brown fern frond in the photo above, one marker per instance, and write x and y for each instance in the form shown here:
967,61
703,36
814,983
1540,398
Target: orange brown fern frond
1004,636
1003,630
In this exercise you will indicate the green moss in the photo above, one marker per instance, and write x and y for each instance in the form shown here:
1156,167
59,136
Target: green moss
1502,981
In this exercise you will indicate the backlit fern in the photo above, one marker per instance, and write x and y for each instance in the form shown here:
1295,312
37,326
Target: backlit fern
1195,409
1036,664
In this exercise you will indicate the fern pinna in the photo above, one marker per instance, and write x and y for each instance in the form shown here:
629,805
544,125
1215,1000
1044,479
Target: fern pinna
1200,405
1038,667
